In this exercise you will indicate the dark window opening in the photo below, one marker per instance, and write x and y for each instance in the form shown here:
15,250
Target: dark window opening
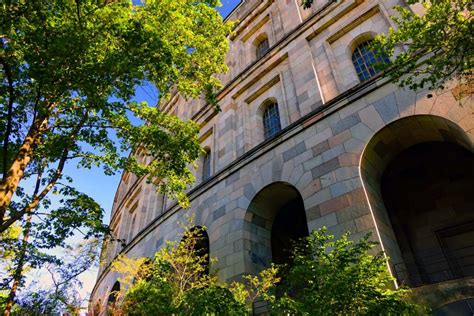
271,120
206,166
201,245
132,228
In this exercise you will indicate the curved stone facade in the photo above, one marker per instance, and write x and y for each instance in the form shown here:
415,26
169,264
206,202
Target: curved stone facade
337,137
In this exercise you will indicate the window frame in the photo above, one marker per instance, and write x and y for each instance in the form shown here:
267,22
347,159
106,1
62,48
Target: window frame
262,47
271,120
206,165
364,60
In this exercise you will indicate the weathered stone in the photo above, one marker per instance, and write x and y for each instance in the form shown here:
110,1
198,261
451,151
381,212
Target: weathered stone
295,151
345,123
218,213
325,168
336,134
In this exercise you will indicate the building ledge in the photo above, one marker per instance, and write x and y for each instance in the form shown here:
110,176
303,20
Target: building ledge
442,293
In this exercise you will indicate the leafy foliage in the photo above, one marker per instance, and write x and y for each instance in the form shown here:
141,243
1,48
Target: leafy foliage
62,294
69,70
68,74
307,3
428,49
435,47
339,277
178,283
328,277
212,300
9,240
130,269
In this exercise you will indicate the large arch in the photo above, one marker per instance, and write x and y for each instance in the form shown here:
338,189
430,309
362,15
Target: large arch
275,218
417,174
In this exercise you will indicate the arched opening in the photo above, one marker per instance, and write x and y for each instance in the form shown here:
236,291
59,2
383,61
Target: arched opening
200,244
114,293
418,174
427,191
275,219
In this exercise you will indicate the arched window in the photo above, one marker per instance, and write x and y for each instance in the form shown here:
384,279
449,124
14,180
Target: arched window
206,165
364,58
262,48
271,120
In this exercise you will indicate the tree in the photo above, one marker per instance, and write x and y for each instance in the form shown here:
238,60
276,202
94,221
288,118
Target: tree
62,294
77,213
177,283
328,276
68,74
339,277
434,48
429,49
8,240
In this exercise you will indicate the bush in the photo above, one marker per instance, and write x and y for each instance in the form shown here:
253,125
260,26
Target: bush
178,283
152,297
327,276
339,277
212,300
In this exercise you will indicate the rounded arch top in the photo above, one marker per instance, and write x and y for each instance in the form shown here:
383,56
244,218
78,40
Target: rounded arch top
265,104
403,133
199,230
360,39
272,197
269,113
260,38
410,169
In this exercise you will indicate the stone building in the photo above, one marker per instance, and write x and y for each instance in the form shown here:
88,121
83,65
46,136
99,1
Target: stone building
310,135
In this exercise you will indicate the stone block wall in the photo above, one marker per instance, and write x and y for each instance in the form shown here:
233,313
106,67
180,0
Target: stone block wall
326,150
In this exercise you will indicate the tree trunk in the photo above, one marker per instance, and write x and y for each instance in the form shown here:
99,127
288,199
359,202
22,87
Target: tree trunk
15,173
19,268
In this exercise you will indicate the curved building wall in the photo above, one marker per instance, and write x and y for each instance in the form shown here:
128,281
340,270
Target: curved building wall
327,119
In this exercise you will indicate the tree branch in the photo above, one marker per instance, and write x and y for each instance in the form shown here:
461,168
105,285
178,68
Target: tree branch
8,130
38,197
